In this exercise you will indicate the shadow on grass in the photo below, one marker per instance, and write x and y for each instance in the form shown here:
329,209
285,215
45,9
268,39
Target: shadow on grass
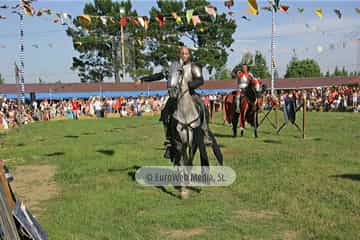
106,152
54,154
220,135
89,133
20,145
132,169
353,177
272,141
71,136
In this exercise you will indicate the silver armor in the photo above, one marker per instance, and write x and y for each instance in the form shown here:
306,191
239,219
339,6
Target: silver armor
243,82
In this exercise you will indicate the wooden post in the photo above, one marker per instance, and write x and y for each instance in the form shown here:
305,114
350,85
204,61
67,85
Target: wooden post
223,109
304,115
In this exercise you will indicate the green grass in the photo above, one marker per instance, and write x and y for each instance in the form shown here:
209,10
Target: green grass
291,178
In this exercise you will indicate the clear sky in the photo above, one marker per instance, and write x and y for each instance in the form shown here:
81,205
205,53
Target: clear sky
49,51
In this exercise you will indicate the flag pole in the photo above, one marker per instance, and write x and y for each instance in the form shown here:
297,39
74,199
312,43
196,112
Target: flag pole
273,67
22,55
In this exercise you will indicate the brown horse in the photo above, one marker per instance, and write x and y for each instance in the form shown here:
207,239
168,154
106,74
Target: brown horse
251,102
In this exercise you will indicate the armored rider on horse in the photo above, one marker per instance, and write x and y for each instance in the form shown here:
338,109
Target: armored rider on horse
244,102
191,73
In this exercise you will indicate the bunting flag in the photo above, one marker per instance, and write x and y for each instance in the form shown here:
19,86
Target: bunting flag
39,13
211,11
245,18
319,13
66,16
85,19
300,10
28,10
160,19
46,10
189,14
357,10
266,8
231,13
311,28
275,4
146,22
104,20
177,18
196,20
229,3
283,8
338,13
135,21
123,21
253,7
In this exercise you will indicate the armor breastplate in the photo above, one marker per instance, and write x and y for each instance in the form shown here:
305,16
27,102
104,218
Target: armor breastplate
175,72
187,77
243,80
174,76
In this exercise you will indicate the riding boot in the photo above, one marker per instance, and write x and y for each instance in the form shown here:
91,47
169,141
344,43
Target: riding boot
205,125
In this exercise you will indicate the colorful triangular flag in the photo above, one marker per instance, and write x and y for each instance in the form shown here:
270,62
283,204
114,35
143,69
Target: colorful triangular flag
253,7
189,14
319,13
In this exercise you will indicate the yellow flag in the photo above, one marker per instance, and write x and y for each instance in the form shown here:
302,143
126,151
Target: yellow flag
253,7
319,13
85,18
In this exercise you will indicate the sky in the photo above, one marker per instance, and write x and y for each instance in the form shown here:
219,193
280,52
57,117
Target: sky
330,41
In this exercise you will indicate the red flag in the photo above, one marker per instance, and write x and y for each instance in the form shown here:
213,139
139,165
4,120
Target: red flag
160,18
123,22
283,8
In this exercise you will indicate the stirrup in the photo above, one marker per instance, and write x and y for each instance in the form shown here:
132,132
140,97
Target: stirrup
167,153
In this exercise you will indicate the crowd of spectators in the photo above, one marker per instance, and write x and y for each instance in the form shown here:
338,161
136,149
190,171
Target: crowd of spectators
318,99
342,99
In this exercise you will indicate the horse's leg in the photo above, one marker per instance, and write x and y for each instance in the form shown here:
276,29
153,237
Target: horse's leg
255,124
244,109
235,120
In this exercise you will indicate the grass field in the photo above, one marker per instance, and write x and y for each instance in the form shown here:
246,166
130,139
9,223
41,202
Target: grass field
286,187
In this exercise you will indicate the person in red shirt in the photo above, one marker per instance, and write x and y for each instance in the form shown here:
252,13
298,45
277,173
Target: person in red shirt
75,107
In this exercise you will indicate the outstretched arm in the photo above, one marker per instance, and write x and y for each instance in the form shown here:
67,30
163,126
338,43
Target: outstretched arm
198,78
153,77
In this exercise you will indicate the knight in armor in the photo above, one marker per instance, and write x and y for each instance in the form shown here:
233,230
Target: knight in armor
243,77
185,68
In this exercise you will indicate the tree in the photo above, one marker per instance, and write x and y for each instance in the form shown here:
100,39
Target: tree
257,65
222,74
344,72
247,59
327,73
302,68
2,80
337,72
99,43
208,40
260,69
